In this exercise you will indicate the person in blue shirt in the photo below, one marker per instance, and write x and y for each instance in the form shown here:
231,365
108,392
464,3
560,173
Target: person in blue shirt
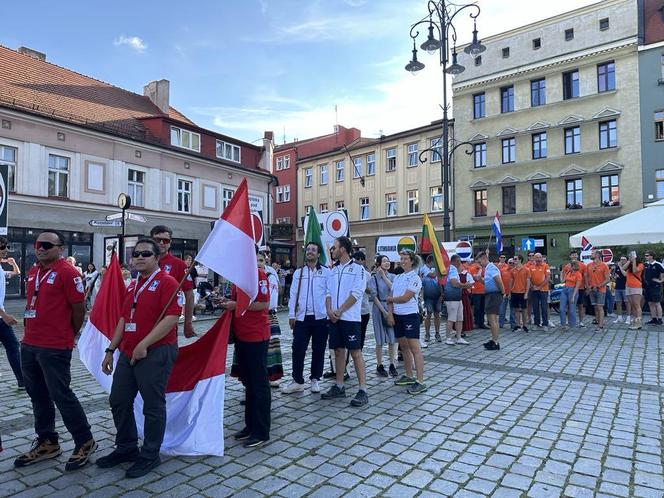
432,298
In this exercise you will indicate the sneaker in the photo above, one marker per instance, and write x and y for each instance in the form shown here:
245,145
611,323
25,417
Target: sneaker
461,340
636,325
450,341
393,371
423,345
116,458
652,321
438,338
42,449
334,392
524,329
492,346
515,329
315,386
404,381
659,321
346,376
360,399
417,388
274,384
628,320
582,325
254,442
381,371
329,375
142,466
619,319
243,435
399,356
81,455
292,387
427,338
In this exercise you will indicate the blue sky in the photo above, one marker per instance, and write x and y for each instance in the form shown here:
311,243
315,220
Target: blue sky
242,67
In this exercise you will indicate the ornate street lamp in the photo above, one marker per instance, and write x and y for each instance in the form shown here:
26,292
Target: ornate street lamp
440,22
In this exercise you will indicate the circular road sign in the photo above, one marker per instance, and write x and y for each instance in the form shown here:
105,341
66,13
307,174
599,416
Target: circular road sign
257,225
406,243
464,250
336,224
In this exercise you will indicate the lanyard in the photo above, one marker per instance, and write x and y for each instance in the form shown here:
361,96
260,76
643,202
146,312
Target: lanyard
306,302
138,292
38,283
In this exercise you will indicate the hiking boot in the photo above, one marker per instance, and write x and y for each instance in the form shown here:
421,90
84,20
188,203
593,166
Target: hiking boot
405,381
636,324
81,455
417,388
393,370
360,399
334,392
116,458
42,449
142,466
381,371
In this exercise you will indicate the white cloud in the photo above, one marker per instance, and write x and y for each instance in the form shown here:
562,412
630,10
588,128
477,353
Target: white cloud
134,42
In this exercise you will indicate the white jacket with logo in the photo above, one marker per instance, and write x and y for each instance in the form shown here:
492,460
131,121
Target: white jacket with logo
346,280
313,291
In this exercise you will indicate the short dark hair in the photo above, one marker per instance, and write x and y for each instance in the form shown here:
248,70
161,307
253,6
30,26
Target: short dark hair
360,256
574,251
429,258
379,259
61,238
480,254
319,248
519,257
455,258
346,244
160,229
152,243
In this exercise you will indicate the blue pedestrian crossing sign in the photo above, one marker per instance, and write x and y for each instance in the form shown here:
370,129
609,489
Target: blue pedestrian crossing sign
527,244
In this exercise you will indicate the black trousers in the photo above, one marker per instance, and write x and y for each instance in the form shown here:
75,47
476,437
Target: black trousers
477,301
252,363
9,341
47,375
148,377
303,332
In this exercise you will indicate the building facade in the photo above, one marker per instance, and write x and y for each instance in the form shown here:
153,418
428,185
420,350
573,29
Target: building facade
552,110
72,144
380,183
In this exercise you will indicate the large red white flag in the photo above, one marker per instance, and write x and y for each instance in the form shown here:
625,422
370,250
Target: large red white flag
195,389
230,248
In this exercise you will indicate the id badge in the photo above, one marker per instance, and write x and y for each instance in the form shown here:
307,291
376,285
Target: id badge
130,327
30,314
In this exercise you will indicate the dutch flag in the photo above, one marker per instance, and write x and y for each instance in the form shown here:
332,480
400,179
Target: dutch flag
497,232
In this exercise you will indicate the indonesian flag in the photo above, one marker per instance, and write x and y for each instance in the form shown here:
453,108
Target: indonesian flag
230,249
195,389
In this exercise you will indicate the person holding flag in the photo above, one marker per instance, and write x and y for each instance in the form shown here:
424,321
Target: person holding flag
146,335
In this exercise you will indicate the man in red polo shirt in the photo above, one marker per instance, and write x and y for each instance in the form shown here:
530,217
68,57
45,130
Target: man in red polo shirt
54,313
176,268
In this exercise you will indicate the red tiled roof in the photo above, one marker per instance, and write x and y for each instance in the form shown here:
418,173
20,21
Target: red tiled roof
41,87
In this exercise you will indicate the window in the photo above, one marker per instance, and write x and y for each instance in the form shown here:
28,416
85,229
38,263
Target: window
209,197
659,126
481,202
391,155
283,162
604,24
391,204
340,168
184,196
232,153
608,134
539,145
569,34
226,196
573,140
285,220
539,197
574,194
610,190
340,205
308,178
537,43
478,60
413,201
509,150
412,155
434,143
506,52
606,77
479,155
509,200
507,99
8,157
659,183
357,167
436,199
286,193
538,92
323,174
58,176
571,84
479,105
371,164
95,177
185,139
280,194
135,186
364,208
322,208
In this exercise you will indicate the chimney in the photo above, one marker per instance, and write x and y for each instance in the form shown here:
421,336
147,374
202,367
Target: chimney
32,53
157,92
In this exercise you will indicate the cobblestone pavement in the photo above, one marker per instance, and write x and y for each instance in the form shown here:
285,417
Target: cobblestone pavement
553,413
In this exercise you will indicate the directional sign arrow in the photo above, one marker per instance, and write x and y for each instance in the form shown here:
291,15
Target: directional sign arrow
136,217
114,216
105,223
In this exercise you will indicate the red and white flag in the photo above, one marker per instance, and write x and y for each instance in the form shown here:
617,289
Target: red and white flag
230,248
195,389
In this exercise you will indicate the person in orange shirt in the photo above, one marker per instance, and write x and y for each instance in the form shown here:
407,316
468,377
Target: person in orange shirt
597,276
572,277
519,291
477,297
540,275
633,270
581,298
506,276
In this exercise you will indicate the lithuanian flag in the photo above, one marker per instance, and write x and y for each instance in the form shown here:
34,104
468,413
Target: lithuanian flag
429,244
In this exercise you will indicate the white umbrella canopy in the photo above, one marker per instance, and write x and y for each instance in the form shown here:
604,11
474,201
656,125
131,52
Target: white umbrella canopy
645,226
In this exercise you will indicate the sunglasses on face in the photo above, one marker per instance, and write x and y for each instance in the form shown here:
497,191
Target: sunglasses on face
142,254
46,245
162,241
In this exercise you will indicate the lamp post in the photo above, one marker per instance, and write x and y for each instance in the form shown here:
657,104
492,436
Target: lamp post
440,22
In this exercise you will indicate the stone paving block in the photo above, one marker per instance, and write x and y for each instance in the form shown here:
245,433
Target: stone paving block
327,492
506,493
542,490
614,489
517,481
642,492
480,485
293,490
578,492
400,491
269,484
588,467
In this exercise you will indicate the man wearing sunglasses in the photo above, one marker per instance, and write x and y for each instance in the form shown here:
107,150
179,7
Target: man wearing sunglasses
54,313
177,269
7,336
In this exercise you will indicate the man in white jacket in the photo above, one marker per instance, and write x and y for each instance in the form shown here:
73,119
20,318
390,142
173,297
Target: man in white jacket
307,317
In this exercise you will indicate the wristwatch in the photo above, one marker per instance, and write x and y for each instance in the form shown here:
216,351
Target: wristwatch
109,350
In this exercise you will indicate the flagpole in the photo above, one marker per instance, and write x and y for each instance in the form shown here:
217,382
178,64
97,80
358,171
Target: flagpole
175,292
489,243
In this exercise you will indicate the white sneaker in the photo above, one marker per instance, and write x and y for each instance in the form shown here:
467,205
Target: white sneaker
423,344
293,387
450,341
628,320
461,340
581,324
619,319
315,386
